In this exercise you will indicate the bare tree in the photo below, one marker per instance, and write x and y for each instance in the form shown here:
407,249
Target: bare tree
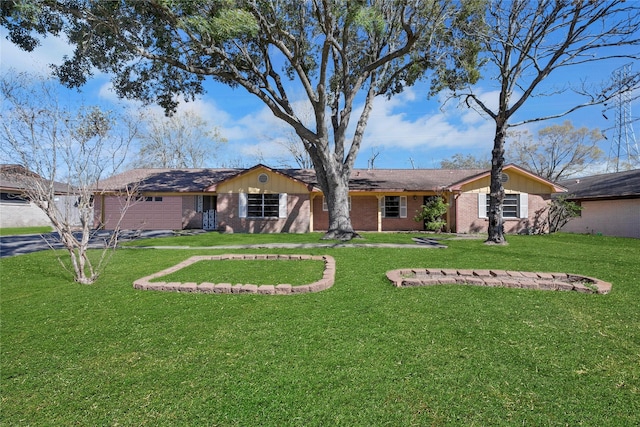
295,148
183,140
374,153
559,152
465,161
526,41
63,154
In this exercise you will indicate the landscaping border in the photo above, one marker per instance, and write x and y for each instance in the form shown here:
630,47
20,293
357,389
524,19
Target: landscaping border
328,277
498,278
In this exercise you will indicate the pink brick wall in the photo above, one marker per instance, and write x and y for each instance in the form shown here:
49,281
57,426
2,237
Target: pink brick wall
364,215
176,212
466,207
190,218
297,220
142,215
609,217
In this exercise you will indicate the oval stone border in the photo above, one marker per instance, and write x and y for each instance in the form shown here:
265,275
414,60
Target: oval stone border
328,277
498,278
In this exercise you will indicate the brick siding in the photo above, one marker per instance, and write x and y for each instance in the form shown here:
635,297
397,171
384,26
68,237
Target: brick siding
297,220
466,206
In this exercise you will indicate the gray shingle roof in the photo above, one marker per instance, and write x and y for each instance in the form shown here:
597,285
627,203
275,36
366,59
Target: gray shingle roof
611,185
168,180
197,180
15,178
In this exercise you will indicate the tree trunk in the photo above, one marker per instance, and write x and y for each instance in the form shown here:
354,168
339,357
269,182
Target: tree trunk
337,197
333,179
496,222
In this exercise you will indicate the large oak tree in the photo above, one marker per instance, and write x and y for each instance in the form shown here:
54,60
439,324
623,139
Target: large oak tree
338,53
525,42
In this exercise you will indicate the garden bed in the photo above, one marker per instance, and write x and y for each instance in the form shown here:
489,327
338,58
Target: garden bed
327,280
498,278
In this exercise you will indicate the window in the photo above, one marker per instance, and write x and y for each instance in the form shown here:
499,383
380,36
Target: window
12,198
263,205
510,206
325,207
149,199
394,207
513,205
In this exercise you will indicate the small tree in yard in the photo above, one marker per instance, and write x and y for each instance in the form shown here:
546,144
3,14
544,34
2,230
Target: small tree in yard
561,211
431,214
62,154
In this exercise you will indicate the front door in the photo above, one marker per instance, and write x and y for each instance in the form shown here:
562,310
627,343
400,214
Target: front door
209,220
209,212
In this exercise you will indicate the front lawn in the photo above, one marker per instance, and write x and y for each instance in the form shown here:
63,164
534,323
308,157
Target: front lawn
14,231
361,353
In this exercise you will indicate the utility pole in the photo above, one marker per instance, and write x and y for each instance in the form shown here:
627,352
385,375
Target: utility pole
623,153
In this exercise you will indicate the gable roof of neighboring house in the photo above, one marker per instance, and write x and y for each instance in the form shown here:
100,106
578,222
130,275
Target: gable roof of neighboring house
485,173
605,186
388,180
16,178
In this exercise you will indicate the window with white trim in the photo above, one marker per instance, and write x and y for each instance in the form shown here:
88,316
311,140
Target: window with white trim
514,205
263,205
394,206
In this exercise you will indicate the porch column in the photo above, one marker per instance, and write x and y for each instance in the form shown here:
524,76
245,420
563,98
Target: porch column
380,201
313,196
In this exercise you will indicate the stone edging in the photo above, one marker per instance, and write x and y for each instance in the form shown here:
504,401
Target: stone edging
328,277
498,278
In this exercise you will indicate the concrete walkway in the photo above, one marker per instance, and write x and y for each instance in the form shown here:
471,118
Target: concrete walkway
303,246
28,243
24,244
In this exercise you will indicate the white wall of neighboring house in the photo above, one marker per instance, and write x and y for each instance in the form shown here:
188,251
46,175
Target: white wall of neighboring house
22,215
608,217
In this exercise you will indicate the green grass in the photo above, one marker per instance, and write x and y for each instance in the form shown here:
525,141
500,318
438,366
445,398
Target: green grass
224,239
14,231
256,272
361,353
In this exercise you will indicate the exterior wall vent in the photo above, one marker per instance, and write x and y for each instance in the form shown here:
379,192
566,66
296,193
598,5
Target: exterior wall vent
263,178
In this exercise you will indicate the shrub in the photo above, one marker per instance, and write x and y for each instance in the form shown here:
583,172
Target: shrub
431,213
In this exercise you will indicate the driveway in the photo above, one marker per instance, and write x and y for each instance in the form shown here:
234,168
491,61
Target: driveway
24,244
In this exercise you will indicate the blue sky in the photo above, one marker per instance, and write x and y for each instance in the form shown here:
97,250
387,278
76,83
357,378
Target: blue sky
408,130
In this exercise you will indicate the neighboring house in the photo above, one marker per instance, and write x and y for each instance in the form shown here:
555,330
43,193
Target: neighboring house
262,199
16,210
610,204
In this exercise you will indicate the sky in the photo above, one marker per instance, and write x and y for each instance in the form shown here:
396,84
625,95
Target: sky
407,131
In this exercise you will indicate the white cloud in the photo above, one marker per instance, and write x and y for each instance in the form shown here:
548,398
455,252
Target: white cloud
51,51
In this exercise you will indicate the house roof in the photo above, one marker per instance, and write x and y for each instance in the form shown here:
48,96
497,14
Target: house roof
605,186
168,180
394,180
16,178
484,173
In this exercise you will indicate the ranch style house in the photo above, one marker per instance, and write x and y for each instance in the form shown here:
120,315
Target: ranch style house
267,200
